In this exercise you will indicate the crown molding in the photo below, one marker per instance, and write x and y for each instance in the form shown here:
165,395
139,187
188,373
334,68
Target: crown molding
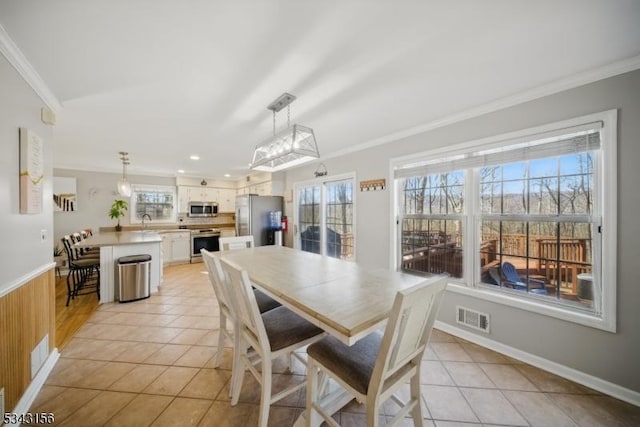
17,59
571,82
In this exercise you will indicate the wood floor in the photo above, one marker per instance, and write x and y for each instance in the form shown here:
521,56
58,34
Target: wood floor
70,319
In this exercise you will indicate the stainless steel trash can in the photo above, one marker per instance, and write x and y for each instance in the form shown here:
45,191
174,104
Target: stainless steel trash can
134,278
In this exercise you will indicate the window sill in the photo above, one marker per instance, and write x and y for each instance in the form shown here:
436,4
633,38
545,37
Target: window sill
535,307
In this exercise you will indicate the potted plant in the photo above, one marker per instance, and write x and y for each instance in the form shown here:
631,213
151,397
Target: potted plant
117,210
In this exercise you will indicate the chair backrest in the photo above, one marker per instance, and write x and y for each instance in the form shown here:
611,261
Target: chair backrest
72,253
245,306
495,275
217,278
407,332
232,243
510,272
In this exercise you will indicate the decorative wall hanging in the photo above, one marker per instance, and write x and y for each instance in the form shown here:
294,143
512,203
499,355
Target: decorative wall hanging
64,194
373,185
31,172
321,171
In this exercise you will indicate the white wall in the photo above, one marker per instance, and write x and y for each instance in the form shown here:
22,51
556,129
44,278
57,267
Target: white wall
22,252
95,194
611,357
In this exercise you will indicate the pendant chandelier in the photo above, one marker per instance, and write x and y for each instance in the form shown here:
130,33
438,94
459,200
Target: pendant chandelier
292,146
124,187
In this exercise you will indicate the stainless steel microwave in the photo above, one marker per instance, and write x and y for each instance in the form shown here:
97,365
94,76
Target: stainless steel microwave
203,209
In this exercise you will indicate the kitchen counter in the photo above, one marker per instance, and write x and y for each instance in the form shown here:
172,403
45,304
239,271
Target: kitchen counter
120,238
115,245
169,227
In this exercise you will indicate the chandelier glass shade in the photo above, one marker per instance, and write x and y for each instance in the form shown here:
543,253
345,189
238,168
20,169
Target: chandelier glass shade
124,187
290,147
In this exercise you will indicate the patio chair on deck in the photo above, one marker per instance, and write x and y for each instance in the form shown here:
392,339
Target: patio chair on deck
513,279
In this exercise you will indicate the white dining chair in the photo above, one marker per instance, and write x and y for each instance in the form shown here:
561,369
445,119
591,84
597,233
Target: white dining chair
216,277
376,366
262,339
265,302
237,242
228,322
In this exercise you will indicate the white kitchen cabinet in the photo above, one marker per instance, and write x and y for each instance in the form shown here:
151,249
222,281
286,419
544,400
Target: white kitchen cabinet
176,247
181,246
167,254
203,194
183,199
226,200
226,197
263,189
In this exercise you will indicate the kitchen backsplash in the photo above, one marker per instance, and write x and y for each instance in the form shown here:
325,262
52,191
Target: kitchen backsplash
223,218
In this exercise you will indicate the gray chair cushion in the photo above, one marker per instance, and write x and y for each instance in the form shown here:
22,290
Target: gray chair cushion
284,328
354,365
265,302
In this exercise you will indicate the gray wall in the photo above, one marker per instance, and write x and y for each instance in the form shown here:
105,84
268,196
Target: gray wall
611,357
95,194
22,251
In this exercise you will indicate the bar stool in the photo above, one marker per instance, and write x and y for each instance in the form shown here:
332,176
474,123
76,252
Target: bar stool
81,270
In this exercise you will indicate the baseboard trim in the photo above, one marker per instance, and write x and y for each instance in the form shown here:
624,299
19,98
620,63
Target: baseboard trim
34,388
571,374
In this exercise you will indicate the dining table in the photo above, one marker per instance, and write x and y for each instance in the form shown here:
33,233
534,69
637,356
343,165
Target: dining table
344,298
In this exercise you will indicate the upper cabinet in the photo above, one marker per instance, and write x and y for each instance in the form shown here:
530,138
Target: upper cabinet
226,200
226,197
262,189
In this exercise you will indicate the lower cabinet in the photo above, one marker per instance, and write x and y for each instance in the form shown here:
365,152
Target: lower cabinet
176,247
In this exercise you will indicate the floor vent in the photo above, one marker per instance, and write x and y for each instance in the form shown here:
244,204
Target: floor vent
473,319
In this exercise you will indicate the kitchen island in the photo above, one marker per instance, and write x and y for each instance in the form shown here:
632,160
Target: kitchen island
114,245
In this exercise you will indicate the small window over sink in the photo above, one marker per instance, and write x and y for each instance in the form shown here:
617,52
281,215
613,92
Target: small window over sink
157,201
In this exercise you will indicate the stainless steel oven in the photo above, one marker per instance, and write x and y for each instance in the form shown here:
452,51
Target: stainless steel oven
204,239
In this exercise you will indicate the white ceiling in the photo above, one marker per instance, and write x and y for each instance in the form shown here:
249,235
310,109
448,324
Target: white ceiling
166,79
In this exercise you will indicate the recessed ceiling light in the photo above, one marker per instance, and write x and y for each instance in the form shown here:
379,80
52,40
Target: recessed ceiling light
194,157
226,175
180,170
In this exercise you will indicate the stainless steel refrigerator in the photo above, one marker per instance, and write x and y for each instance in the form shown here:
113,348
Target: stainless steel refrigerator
252,216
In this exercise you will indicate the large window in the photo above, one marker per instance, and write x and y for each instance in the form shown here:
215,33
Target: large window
527,218
432,223
325,217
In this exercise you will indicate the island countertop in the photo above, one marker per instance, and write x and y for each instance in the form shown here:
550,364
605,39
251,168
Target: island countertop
119,238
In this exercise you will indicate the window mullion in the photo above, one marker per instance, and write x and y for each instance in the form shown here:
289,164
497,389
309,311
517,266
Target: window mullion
471,236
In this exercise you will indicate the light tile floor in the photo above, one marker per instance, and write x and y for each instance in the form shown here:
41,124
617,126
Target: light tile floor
151,363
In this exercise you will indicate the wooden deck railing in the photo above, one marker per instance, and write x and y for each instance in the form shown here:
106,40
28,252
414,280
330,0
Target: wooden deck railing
559,261
442,258
563,260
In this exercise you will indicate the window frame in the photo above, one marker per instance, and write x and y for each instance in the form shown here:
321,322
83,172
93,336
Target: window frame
322,182
605,183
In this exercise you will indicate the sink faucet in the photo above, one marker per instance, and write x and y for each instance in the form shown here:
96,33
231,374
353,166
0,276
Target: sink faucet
143,223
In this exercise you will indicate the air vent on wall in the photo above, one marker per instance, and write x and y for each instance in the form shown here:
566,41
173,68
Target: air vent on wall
473,319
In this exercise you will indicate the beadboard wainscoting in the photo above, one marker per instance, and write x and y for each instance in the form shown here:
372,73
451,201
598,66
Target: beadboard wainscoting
27,316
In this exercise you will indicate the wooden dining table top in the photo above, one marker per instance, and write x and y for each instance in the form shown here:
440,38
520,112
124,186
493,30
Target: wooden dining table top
342,297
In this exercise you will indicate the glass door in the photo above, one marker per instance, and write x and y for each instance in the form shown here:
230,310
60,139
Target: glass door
325,217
